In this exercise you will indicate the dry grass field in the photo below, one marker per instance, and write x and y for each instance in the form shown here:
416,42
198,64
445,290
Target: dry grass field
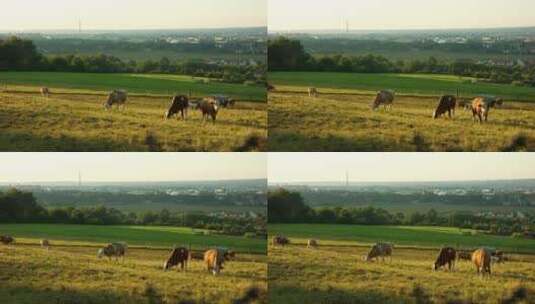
345,122
335,274
76,121
71,273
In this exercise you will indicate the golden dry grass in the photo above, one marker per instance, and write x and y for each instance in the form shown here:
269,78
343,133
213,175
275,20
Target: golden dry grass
78,122
73,274
339,275
336,122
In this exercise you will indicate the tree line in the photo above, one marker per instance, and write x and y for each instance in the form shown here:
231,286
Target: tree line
289,55
22,207
289,207
18,54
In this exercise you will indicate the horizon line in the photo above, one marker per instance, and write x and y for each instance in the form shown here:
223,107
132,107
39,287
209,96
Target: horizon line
397,30
138,181
413,181
135,29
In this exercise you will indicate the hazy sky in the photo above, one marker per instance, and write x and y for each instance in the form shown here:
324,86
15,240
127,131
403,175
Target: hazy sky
379,167
399,14
131,14
30,167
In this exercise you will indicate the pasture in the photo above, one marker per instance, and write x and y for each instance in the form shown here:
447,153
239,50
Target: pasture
76,121
406,236
341,120
408,84
335,274
71,273
141,84
141,236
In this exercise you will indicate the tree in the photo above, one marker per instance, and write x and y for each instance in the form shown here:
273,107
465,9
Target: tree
286,54
285,206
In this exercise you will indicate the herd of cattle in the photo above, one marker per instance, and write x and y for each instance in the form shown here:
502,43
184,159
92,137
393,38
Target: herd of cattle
180,256
208,106
480,106
447,256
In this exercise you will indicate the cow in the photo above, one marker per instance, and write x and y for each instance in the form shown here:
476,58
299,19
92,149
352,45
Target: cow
215,258
117,97
117,250
312,92
312,244
385,98
481,106
178,104
379,250
270,87
464,255
280,240
180,256
224,101
447,255
45,244
45,92
447,103
6,239
481,259
208,108
497,257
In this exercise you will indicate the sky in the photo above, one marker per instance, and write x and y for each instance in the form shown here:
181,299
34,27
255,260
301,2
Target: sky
398,167
398,14
131,14
129,167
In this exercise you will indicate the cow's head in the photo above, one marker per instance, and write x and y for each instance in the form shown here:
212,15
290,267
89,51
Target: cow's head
100,253
377,102
435,114
166,266
109,102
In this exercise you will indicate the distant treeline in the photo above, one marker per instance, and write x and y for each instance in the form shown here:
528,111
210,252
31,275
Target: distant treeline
289,207
21,207
476,198
22,55
289,55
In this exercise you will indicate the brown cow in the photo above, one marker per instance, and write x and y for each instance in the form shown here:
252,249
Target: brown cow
45,92
208,108
313,92
464,255
178,104
481,259
180,256
280,240
45,244
215,258
117,97
6,239
481,107
447,103
447,255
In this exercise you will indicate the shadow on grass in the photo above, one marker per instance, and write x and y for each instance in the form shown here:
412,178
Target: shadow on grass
329,295
283,141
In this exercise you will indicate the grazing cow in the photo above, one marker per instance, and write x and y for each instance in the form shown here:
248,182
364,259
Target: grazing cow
6,239
215,258
447,103
312,92
208,108
280,240
497,256
481,107
45,244
447,255
464,255
45,92
312,244
117,97
118,250
224,101
180,256
178,104
379,250
385,98
481,259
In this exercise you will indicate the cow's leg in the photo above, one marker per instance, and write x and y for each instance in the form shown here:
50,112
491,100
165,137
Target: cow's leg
449,113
